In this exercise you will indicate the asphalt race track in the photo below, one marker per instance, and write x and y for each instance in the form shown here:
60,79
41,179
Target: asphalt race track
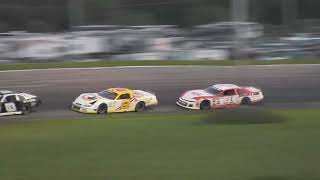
284,86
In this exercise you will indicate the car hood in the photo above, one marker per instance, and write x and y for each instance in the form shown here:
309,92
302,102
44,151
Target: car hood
87,98
193,94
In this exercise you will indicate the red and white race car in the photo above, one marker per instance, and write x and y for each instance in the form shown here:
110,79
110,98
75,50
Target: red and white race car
220,96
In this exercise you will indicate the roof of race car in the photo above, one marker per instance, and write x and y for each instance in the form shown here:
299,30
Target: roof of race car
3,92
119,90
225,86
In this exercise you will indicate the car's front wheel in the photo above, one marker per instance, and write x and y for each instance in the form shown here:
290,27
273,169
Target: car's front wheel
205,105
102,109
140,107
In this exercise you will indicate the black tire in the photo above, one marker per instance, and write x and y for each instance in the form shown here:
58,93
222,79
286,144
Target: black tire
205,105
102,109
140,107
246,101
26,109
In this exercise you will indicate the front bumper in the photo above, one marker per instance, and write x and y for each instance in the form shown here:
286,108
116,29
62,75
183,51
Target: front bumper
82,109
187,104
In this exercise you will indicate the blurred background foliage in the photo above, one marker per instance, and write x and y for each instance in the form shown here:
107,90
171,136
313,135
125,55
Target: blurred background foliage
59,15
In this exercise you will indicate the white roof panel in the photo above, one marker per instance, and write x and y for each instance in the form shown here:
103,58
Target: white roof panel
5,92
225,86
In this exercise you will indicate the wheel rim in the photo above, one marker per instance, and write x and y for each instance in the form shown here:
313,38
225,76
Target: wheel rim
140,107
245,101
25,110
205,106
102,109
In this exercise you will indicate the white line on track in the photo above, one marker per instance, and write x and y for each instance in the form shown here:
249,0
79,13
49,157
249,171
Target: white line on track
173,66
24,86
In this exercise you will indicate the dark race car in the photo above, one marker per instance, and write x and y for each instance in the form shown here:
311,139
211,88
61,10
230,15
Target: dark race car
12,103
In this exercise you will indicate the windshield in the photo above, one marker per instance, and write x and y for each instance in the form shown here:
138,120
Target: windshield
212,90
107,94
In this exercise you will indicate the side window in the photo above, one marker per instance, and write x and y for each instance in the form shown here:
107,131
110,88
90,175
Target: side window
21,98
241,92
11,98
124,96
229,92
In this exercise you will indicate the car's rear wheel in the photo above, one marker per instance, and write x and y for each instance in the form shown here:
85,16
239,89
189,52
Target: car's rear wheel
245,101
205,105
102,109
140,107
25,110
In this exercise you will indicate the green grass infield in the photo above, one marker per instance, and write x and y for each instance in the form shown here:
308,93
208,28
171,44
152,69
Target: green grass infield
225,145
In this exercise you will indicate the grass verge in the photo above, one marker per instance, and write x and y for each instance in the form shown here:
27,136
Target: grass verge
176,146
112,63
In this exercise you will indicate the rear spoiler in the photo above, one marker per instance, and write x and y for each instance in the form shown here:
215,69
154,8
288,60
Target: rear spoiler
253,89
149,91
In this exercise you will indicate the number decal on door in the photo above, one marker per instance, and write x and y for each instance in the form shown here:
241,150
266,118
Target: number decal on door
227,100
125,104
10,107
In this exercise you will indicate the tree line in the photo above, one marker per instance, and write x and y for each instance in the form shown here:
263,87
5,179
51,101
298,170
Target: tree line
60,15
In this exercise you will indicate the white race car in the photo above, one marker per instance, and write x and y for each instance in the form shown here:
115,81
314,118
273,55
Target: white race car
220,96
114,100
12,103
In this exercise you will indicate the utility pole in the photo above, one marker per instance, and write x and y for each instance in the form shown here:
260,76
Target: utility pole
289,11
239,10
76,13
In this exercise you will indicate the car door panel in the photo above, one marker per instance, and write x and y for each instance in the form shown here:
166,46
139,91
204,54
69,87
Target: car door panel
10,107
224,100
1,107
10,103
125,100
125,104
114,106
229,97
235,99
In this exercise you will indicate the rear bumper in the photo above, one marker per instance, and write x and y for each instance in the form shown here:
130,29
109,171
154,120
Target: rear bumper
257,102
152,103
36,102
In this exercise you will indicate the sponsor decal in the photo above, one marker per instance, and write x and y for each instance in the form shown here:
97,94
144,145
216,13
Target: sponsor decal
89,97
10,107
204,97
133,100
137,95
